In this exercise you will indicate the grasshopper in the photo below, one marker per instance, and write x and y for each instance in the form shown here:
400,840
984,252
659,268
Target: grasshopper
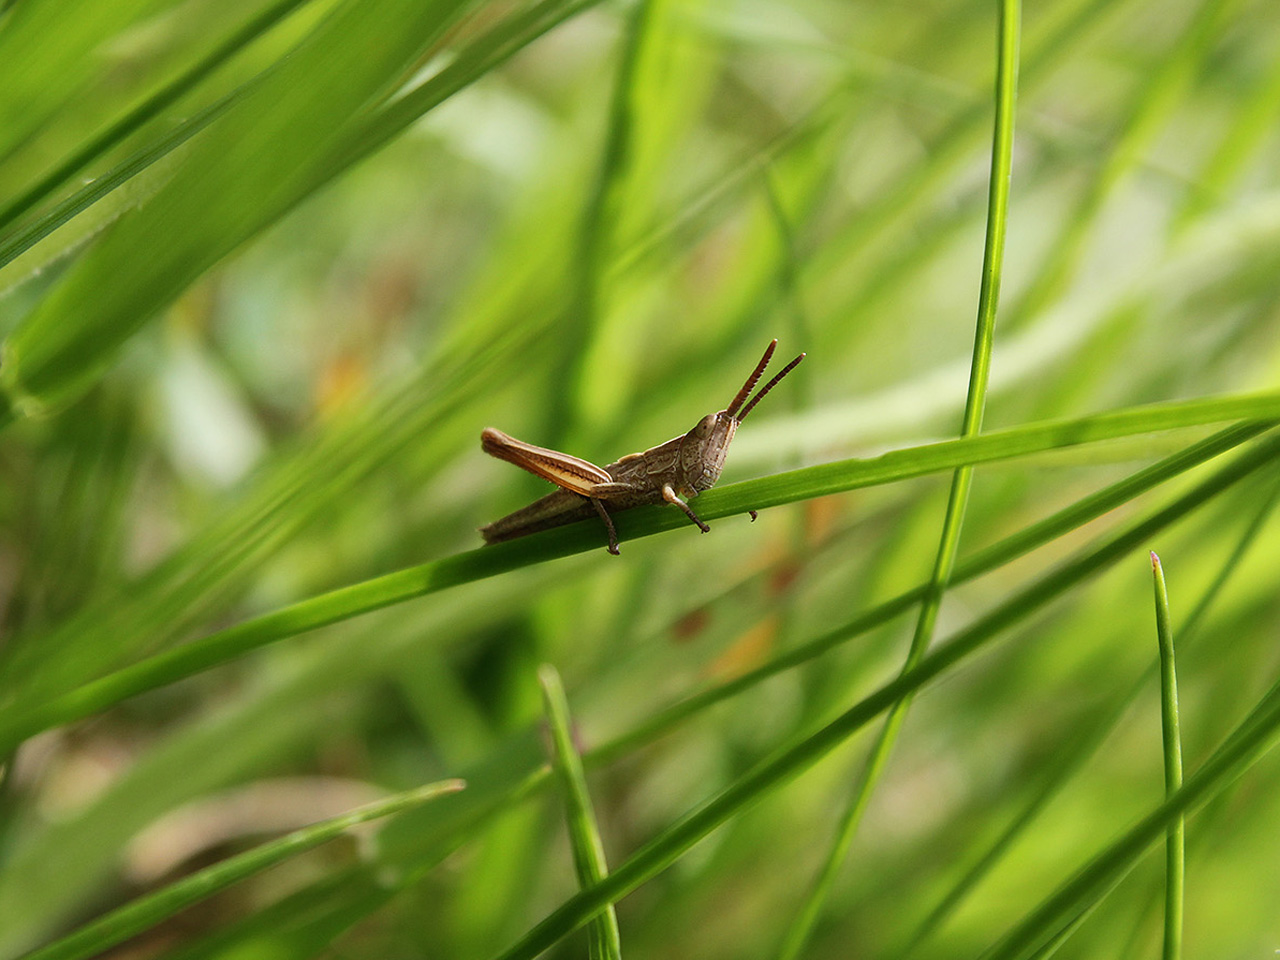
684,466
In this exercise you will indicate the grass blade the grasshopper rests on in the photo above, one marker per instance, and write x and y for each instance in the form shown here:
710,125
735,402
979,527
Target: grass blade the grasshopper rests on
788,762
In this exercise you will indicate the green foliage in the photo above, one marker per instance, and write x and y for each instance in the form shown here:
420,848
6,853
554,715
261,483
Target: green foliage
584,833
267,267
1175,841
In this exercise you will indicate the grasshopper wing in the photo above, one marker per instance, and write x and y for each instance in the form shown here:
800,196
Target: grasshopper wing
571,473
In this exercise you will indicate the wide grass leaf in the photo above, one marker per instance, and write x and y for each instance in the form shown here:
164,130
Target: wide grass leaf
256,162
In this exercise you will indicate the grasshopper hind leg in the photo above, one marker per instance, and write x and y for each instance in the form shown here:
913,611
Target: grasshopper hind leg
608,522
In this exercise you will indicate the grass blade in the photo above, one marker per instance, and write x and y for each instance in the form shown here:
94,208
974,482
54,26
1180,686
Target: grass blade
584,834
258,161
1069,761
1247,744
1175,840
147,911
1008,35
145,111
790,761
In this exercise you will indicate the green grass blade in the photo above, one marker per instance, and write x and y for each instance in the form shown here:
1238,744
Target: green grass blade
584,834
1008,35
139,115
1247,744
39,78
258,161
1069,762
480,56
1064,521
790,761
1175,841
987,447
149,910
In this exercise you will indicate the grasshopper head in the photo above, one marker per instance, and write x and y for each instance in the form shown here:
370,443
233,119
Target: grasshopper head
703,451
705,446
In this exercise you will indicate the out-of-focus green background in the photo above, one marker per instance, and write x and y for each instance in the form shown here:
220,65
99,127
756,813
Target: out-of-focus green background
266,270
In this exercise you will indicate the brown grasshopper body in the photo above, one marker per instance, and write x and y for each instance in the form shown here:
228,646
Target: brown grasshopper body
682,467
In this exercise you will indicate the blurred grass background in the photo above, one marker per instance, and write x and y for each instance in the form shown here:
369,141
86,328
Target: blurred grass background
266,270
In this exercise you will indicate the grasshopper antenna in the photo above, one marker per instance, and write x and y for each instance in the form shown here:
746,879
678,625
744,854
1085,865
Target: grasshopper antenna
770,385
751,380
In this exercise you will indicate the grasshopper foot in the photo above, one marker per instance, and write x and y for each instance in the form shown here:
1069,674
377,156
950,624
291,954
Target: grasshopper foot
754,516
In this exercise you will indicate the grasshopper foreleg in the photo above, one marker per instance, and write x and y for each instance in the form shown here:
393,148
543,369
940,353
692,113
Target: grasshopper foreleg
669,495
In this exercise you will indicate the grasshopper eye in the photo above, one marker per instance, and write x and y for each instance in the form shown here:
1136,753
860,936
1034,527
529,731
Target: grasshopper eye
705,426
